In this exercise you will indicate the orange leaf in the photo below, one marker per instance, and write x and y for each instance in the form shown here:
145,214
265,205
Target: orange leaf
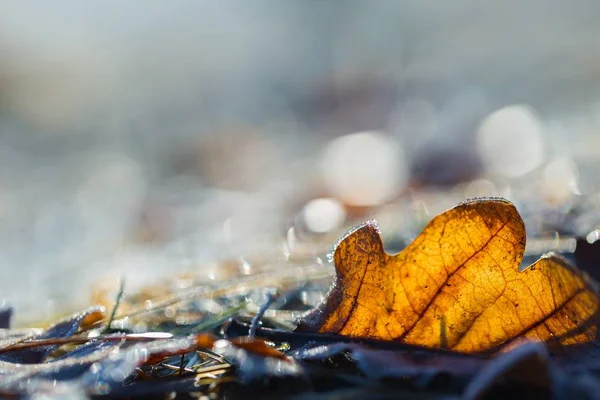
257,346
457,286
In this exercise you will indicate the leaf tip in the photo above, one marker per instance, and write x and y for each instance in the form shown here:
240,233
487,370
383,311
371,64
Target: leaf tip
556,258
369,225
564,262
494,199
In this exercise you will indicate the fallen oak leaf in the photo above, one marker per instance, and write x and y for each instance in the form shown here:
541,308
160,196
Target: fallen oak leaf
457,286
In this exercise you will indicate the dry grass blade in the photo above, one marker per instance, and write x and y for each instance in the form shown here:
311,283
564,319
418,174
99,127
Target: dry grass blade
279,277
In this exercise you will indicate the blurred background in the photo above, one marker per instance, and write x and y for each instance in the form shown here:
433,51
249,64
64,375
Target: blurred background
143,141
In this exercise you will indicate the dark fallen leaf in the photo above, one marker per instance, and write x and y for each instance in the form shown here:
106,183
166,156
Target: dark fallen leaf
63,329
296,340
527,369
419,367
581,386
526,366
108,374
15,377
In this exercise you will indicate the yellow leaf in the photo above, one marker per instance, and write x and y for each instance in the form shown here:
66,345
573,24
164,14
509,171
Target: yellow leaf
457,286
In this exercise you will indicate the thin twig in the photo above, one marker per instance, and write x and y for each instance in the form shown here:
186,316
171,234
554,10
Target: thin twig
218,319
212,369
181,364
261,311
117,302
177,368
211,355
77,340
